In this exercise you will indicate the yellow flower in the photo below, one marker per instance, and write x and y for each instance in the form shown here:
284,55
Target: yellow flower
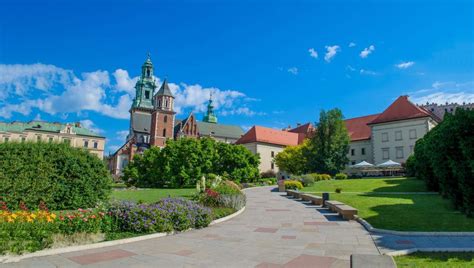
29,219
10,219
14,215
33,215
49,219
53,215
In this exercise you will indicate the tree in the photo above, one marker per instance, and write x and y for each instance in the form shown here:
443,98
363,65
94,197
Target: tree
327,149
292,159
182,162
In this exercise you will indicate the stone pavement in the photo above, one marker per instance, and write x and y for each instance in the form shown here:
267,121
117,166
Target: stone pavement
273,231
388,243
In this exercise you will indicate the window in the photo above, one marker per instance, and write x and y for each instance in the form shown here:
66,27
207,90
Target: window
50,139
166,103
353,162
96,145
352,152
67,141
147,94
165,119
38,138
399,152
385,153
398,135
273,165
6,139
159,103
86,144
148,72
411,148
412,133
384,137
362,151
273,154
164,132
23,139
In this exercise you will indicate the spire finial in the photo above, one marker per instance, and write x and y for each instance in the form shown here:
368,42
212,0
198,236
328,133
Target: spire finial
148,55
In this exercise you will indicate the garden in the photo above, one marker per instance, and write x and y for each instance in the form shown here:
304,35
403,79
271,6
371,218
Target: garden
53,195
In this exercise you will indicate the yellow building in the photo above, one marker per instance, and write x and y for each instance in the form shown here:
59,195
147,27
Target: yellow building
71,133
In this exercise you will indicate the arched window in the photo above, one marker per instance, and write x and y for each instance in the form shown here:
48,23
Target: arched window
159,103
148,72
166,103
164,132
165,119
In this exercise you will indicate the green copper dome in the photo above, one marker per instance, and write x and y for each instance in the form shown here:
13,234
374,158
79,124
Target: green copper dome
210,117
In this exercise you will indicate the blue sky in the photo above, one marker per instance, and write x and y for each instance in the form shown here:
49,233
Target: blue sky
268,63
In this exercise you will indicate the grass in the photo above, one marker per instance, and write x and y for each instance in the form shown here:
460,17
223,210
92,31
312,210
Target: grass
218,213
369,185
401,212
151,195
436,259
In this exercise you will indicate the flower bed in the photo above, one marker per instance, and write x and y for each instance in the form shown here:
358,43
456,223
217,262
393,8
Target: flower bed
27,231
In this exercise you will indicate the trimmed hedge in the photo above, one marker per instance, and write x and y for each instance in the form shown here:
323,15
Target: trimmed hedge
293,185
57,174
444,159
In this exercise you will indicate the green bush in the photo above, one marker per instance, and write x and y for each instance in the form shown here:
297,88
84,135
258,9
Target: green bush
444,159
268,174
184,161
293,185
320,177
338,190
409,166
340,176
61,176
307,180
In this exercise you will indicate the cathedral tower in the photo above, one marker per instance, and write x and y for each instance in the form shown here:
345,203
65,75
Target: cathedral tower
162,118
142,106
210,116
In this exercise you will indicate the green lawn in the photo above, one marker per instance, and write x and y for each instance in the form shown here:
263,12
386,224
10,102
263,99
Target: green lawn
151,195
436,259
369,185
402,212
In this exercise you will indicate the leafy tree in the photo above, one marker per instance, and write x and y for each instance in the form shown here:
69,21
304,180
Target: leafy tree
327,149
182,162
292,159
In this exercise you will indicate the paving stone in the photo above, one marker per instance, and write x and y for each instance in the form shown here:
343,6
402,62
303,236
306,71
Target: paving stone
101,256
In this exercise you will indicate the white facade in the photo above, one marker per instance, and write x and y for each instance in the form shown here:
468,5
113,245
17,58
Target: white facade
267,154
360,151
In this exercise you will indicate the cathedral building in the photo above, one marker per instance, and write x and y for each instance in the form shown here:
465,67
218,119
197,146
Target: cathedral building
153,122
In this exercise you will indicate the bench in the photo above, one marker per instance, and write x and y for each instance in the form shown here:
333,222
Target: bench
293,193
332,204
347,212
316,200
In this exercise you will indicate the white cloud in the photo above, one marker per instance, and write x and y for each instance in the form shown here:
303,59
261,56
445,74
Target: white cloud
57,91
241,111
352,44
367,72
442,92
122,135
405,64
365,53
331,52
313,53
86,123
293,70
350,68
124,82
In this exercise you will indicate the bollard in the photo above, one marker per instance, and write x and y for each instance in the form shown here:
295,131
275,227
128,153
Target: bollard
325,198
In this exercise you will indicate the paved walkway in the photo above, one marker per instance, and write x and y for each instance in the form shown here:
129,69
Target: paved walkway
388,243
273,231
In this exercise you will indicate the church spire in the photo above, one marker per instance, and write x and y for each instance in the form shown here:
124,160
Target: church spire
145,86
210,117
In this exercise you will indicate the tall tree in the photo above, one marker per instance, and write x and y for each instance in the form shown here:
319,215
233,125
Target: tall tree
327,149
292,159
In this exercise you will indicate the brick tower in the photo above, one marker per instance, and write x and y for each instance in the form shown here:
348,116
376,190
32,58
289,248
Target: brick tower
162,118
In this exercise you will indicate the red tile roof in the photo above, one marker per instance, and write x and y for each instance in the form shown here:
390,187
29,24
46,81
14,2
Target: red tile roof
358,128
269,135
401,109
304,131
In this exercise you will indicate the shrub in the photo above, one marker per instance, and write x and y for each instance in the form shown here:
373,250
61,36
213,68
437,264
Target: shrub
61,176
307,180
293,185
235,201
444,159
228,188
410,166
338,190
320,177
268,174
340,176
164,216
